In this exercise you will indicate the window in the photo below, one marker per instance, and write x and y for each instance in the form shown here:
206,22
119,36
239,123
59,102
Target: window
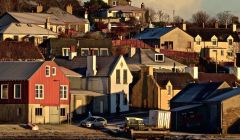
47,71
214,42
95,52
63,92
104,52
198,40
118,77
63,112
168,45
39,91
45,38
17,91
230,42
65,51
38,111
54,71
125,77
169,88
114,3
222,52
15,38
4,91
84,52
159,57
125,99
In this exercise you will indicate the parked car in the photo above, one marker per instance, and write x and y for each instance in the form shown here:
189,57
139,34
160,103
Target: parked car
134,123
94,121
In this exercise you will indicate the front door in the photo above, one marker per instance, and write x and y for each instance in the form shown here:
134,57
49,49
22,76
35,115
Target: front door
54,116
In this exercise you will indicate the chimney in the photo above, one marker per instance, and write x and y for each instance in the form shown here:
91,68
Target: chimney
184,27
109,26
193,71
146,70
39,8
203,25
130,3
216,25
47,24
91,65
142,6
234,27
150,25
235,71
131,52
69,9
86,14
73,52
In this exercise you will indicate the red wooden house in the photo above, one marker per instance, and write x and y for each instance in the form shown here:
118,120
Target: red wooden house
36,92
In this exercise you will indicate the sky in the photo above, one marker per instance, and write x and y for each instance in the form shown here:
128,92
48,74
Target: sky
185,8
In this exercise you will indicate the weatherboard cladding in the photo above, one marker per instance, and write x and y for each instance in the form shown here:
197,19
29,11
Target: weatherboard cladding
18,70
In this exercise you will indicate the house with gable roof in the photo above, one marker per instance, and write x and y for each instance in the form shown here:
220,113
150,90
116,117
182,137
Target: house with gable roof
169,38
107,75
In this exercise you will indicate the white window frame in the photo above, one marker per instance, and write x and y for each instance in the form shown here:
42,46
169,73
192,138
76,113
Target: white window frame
228,40
37,85
159,60
68,51
2,91
49,72
15,91
54,71
62,92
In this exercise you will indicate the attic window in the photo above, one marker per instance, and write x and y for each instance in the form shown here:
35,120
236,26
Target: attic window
159,57
230,42
29,25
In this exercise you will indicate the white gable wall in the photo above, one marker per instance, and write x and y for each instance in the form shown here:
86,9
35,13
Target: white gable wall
120,88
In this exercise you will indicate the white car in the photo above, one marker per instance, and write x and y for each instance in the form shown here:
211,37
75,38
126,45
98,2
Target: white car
94,121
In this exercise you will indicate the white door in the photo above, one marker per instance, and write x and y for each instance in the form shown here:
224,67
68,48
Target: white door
101,106
79,107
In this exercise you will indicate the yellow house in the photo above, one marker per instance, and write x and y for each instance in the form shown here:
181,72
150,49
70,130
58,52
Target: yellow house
216,43
26,32
154,90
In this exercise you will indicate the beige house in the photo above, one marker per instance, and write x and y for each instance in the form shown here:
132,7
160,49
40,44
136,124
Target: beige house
216,43
109,76
169,38
26,32
154,90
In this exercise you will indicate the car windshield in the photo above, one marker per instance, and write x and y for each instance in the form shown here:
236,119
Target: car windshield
90,119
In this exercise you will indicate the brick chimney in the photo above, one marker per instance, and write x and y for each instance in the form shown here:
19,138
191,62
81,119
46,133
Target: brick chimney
142,6
69,8
91,65
193,71
47,23
39,8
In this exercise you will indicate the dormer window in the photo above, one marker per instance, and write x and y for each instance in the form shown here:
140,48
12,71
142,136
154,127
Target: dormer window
198,40
159,57
214,41
65,51
230,42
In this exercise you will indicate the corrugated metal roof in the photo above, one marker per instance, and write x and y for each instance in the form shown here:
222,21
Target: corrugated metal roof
25,29
18,70
225,95
153,33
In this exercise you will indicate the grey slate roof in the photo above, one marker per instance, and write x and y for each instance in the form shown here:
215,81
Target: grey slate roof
65,16
225,95
147,57
18,70
105,65
35,18
196,92
153,33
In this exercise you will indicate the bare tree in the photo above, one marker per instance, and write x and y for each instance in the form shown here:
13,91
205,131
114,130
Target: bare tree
200,18
224,18
160,15
177,19
152,15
